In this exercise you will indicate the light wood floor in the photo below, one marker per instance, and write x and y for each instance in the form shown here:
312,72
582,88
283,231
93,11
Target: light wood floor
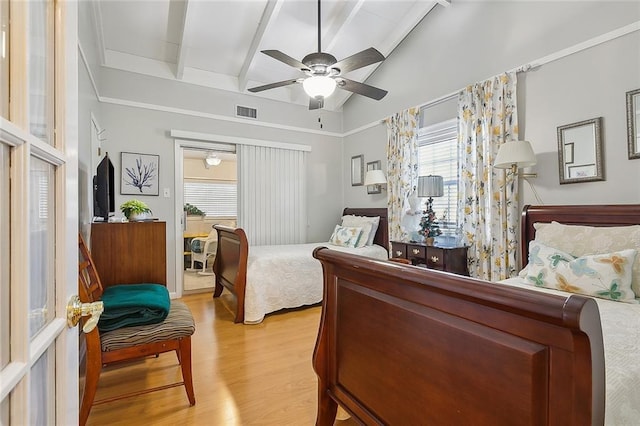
243,374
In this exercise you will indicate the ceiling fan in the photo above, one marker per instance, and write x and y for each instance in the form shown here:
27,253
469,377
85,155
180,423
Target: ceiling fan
324,73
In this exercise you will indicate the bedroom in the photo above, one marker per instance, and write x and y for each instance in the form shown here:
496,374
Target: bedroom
587,84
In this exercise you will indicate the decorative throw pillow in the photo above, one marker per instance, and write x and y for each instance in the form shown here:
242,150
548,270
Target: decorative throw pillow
607,276
363,221
346,236
579,240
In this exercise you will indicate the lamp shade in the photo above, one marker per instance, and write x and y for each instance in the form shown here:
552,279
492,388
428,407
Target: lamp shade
375,177
319,86
518,153
430,186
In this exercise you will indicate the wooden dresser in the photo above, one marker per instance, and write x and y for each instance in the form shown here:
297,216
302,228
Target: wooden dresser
130,253
448,259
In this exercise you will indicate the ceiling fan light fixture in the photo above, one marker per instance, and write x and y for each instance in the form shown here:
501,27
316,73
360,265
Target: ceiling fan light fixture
319,86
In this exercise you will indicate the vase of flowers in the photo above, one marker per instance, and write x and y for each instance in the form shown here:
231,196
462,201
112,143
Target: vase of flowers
135,210
429,227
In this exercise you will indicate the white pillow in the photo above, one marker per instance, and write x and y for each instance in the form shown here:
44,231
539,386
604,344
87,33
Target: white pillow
580,240
607,276
346,236
374,221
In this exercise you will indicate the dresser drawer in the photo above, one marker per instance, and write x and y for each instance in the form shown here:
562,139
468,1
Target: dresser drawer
399,250
415,252
435,258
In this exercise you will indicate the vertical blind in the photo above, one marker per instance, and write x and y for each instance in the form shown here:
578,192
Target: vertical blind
214,198
438,155
271,194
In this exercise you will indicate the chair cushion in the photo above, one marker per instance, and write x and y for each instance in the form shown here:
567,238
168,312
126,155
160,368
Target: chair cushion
179,323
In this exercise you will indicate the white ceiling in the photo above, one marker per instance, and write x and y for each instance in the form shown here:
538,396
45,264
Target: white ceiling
217,43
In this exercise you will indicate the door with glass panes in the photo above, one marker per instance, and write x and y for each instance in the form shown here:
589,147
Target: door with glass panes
39,213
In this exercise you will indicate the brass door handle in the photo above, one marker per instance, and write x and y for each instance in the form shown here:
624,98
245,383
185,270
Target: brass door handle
434,259
398,253
416,251
76,310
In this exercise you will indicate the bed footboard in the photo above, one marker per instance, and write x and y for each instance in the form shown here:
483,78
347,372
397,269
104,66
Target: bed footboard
230,265
399,344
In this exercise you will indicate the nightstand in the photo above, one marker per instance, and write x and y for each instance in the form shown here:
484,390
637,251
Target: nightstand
448,259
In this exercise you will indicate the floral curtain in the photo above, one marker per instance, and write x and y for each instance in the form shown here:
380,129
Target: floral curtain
402,167
487,118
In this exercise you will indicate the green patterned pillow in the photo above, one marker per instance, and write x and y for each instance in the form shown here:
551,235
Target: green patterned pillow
346,236
607,276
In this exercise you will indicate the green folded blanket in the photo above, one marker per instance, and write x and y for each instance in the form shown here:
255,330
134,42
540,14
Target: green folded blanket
127,305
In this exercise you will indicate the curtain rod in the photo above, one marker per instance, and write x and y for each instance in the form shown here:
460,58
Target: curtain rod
611,35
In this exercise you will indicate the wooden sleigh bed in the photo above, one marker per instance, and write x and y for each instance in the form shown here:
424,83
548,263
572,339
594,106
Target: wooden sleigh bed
402,345
232,258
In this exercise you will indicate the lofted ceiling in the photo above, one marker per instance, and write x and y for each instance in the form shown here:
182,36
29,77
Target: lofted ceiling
217,43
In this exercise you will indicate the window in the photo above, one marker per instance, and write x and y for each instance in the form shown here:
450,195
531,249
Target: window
438,155
215,198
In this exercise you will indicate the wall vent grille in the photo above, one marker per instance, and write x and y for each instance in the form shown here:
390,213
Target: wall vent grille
246,112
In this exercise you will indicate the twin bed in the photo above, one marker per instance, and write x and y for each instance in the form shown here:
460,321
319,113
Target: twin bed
266,279
402,345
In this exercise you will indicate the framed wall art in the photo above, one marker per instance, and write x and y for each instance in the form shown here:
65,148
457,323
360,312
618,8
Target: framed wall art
139,174
580,151
357,170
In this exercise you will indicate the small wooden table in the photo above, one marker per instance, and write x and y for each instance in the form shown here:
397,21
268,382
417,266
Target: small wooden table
448,259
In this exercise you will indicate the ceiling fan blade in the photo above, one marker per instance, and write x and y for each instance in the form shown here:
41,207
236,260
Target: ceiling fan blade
283,57
272,85
361,59
316,103
361,88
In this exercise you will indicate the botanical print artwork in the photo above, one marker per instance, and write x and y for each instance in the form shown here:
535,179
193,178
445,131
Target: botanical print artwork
139,174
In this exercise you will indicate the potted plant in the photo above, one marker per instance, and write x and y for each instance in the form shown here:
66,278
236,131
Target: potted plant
193,210
135,210
429,227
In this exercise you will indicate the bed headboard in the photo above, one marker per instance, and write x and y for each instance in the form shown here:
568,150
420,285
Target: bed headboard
382,234
589,215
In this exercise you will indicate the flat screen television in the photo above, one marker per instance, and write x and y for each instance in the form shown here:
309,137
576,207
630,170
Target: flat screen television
104,190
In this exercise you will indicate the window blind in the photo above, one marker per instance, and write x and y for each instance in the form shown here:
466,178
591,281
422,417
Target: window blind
215,198
438,155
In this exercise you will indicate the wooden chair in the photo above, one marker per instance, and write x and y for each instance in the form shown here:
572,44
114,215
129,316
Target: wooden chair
128,343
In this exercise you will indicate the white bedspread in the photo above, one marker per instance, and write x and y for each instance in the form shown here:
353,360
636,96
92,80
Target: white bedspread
621,336
287,276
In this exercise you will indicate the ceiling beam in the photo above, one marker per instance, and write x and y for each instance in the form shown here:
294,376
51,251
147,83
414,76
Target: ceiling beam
331,34
271,11
417,13
97,25
184,40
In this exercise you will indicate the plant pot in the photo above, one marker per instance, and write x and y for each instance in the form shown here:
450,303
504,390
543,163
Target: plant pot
136,217
429,241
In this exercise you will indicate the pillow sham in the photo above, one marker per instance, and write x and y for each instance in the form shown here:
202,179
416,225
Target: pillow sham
580,240
346,236
374,221
607,276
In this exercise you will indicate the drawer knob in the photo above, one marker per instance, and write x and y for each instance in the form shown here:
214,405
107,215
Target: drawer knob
398,253
416,251
434,259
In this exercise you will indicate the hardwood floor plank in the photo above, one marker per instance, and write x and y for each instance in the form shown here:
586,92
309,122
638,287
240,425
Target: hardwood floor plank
242,374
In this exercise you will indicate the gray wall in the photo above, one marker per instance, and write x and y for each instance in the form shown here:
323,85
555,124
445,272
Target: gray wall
146,131
472,41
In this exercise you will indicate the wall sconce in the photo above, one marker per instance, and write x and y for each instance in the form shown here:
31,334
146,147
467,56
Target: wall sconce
516,155
375,177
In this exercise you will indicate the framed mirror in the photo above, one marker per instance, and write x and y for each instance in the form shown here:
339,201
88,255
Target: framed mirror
580,151
633,123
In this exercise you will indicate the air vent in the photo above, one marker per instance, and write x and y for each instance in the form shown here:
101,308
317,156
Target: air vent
246,112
